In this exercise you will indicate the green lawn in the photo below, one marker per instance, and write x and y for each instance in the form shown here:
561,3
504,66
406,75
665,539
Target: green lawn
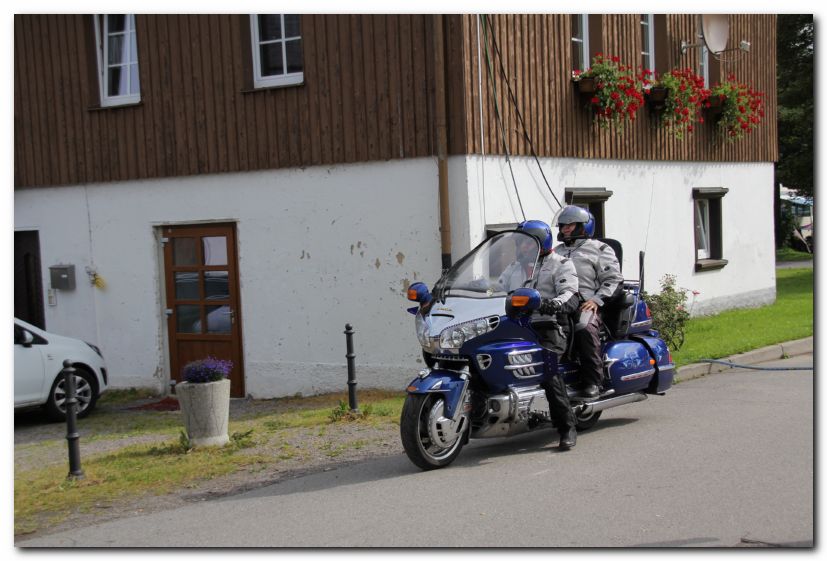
789,254
738,331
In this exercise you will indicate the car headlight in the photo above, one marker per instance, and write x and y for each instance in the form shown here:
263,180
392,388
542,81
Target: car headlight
457,335
95,348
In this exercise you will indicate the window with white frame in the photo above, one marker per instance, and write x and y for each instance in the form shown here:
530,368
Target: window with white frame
708,222
277,50
117,53
647,32
580,42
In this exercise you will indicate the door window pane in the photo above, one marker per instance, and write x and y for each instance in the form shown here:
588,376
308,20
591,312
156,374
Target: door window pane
184,251
219,319
215,250
216,285
189,319
186,286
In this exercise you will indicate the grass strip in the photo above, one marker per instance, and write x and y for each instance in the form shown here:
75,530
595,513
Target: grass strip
737,331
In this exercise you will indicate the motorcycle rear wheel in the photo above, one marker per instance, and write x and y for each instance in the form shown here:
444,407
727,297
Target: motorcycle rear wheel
420,447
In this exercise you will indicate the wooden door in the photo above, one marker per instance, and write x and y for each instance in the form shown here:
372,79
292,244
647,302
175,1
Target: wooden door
203,312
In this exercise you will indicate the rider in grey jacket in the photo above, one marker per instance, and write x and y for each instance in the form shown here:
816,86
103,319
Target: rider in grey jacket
557,284
599,278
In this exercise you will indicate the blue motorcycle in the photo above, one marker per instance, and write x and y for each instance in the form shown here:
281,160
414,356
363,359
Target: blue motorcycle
485,364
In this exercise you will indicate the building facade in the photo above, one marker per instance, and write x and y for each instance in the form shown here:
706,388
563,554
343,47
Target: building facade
244,186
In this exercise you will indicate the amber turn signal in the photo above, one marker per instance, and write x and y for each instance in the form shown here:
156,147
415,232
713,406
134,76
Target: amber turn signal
412,295
519,301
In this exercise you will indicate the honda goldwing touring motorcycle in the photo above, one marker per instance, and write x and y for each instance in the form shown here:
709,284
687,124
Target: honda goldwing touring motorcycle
485,365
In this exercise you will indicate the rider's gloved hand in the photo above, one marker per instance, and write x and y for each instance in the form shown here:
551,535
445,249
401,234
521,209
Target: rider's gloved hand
550,306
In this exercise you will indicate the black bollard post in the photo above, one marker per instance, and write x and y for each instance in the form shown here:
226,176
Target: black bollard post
351,368
72,436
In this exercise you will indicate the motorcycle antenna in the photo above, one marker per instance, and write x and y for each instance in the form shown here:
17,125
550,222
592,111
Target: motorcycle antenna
499,116
519,113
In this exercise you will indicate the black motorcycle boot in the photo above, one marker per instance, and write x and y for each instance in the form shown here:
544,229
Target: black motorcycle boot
590,390
568,438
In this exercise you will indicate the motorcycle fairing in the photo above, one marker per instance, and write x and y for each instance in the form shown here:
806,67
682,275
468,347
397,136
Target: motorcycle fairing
505,364
447,382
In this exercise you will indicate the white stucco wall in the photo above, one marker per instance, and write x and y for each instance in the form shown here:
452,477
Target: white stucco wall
651,209
322,247
317,248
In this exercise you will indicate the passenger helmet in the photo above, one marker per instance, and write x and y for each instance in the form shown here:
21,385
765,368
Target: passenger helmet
577,215
539,230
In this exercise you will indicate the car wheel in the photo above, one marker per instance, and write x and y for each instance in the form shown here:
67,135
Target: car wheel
84,391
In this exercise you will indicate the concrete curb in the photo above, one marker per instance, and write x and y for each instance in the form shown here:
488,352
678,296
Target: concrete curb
773,352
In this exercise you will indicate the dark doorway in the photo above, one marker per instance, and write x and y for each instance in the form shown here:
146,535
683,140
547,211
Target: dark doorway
28,282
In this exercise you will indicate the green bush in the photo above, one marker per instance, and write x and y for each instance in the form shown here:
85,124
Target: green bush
669,313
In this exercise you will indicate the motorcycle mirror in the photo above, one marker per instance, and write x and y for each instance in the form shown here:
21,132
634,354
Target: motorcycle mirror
522,301
418,292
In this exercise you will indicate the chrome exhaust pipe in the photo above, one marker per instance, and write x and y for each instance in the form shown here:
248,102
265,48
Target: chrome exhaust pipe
595,406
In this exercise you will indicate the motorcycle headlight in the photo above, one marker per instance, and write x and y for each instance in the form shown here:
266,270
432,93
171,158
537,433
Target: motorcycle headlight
457,335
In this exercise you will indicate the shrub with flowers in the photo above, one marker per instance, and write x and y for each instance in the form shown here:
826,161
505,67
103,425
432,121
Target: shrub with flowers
618,92
669,313
685,95
742,108
208,369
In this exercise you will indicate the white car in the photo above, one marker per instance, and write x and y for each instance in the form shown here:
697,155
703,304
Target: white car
38,362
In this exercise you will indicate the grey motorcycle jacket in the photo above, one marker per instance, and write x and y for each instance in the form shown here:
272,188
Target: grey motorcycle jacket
598,271
557,280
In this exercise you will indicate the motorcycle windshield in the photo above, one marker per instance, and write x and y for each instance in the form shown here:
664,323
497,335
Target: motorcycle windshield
498,266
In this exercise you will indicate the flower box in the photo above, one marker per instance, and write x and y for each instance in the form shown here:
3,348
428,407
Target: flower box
586,85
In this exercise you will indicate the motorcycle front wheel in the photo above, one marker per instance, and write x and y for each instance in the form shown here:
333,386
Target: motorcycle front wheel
427,436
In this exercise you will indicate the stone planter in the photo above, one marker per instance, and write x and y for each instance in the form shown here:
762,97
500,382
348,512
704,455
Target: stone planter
206,411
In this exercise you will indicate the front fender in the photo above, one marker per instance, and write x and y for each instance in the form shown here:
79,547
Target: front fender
449,383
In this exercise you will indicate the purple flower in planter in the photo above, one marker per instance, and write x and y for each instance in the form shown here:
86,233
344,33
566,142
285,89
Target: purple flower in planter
208,369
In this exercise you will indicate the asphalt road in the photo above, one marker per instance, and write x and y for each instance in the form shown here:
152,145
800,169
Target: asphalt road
720,461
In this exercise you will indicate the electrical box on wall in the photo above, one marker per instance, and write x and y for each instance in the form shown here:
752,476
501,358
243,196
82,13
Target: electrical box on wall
62,277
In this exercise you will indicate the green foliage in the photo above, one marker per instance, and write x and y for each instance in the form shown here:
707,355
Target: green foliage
244,439
786,227
738,331
619,92
742,108
789,254
796,102
669,313
344,413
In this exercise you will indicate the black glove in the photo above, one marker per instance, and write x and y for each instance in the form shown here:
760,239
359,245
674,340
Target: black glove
550,306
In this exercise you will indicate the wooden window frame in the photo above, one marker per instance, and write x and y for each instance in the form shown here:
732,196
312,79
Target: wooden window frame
284,79
101,25
713,196
592,199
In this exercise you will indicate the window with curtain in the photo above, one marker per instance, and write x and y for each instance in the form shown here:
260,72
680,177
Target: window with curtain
117,51
277,50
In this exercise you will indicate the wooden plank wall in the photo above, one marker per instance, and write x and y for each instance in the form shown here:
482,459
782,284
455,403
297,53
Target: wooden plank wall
554,114
367,96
